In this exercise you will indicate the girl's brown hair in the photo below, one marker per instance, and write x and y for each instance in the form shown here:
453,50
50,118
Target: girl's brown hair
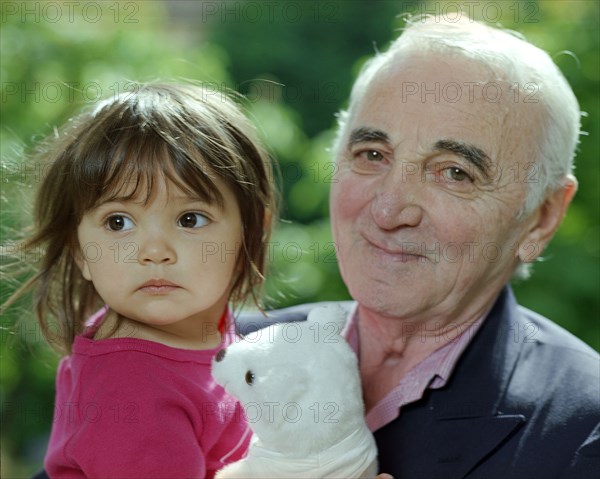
181,132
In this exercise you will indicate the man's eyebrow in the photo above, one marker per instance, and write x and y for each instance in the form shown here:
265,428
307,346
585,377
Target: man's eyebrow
469,152
366,134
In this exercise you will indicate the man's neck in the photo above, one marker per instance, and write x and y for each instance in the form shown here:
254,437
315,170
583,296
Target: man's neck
391,347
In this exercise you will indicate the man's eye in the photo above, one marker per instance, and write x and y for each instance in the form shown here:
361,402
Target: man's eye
371,155
456,174
119,223
192,220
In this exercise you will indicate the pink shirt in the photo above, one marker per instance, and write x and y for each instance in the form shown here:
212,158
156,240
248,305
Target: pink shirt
432,372
131,408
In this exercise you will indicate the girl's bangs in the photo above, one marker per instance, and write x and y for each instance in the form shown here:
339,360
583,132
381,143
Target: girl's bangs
129,169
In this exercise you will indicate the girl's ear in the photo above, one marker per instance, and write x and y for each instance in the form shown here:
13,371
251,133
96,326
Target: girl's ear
545,221
81,262
267,220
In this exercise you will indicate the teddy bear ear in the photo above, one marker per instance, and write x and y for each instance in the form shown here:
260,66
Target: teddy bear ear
327,315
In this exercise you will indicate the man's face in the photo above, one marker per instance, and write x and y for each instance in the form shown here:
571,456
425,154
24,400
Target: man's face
432,173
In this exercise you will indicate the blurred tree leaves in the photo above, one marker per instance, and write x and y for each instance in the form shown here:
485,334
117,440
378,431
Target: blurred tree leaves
295,61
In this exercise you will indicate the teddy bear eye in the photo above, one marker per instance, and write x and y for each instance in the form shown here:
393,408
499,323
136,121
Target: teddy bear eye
249,377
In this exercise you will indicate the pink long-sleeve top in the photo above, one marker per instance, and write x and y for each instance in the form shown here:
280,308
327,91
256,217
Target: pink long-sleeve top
129,408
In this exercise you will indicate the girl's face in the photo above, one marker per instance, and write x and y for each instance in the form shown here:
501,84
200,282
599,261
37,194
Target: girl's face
167,264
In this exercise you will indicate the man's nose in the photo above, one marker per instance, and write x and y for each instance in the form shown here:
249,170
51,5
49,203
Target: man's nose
156,249
397,201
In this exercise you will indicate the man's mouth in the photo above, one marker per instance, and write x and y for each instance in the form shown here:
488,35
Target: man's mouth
402,252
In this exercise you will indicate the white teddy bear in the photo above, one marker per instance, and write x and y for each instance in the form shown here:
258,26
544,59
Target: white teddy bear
300,387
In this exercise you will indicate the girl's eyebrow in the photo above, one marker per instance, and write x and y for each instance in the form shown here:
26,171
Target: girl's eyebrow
116,199
183,198
139,199
190,198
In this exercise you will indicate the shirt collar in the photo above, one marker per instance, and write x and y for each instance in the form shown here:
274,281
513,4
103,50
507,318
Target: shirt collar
432,372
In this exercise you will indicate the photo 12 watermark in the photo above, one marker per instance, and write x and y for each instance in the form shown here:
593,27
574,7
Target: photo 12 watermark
57,91
488,11
70,12
454,92
324,252
275,412
316,172
64,91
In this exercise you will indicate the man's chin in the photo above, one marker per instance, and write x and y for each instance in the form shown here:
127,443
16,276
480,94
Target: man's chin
383,301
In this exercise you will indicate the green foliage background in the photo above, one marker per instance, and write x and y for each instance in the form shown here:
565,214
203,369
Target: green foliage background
295,60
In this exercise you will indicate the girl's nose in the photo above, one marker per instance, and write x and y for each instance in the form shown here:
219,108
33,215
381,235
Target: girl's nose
156,250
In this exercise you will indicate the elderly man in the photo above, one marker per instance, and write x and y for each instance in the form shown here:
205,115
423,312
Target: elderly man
454,168
454,171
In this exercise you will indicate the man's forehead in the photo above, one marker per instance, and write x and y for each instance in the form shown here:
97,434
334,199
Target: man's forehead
440,65
397,117
453,80
445,96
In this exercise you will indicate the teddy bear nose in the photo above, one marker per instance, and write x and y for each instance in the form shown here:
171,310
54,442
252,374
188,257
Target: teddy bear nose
220,355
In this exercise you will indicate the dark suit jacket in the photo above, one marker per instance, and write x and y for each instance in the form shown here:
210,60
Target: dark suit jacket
523,402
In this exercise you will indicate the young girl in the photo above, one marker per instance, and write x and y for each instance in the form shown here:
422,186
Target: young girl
153,216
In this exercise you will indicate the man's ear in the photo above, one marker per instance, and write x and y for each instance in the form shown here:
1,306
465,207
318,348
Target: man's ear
81,261
545,220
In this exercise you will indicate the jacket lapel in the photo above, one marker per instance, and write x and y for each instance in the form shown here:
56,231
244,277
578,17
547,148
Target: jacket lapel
469,422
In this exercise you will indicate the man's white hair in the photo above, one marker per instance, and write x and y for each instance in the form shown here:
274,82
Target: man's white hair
511,59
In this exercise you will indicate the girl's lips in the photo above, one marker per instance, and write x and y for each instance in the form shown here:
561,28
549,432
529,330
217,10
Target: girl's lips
157,286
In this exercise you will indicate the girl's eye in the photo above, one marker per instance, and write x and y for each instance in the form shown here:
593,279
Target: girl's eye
119,223
192,220
456,174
